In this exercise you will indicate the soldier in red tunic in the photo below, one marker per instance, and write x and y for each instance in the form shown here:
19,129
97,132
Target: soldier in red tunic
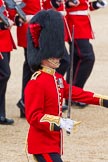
31,8
84,58
6,46
45,91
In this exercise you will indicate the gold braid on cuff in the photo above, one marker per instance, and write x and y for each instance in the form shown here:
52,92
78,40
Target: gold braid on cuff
102,97
52,119
101,101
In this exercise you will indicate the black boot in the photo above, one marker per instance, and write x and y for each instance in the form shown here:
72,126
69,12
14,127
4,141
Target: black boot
22,114
21,105
6,121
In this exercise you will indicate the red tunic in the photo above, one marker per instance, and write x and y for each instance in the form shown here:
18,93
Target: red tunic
6,40
31,8
61,9
80,18
44,95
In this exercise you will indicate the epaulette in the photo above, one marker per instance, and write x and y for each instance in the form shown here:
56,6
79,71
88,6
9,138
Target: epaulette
35,75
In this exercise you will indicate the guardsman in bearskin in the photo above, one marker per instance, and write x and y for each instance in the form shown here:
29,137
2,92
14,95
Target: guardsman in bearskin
31,8
6,46
45,91
84,58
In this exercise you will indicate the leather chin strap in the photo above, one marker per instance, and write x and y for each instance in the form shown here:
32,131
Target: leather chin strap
56,64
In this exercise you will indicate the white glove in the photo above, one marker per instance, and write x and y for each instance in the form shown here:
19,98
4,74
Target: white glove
67,124
101,3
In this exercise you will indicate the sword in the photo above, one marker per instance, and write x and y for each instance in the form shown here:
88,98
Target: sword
71,36
71,75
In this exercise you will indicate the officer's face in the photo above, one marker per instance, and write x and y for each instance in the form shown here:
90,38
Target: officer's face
51,62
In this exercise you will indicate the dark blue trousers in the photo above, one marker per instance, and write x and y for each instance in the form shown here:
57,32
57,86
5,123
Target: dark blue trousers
51,157
4,77
83,62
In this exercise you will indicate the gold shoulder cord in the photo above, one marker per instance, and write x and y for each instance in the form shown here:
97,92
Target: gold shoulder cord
35,75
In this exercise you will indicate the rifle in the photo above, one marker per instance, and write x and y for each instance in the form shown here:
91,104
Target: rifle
3,17
11,4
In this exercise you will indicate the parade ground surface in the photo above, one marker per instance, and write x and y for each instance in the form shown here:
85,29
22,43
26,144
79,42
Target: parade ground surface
89,143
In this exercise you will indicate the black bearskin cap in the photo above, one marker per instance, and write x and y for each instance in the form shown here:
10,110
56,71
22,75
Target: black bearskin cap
51,38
